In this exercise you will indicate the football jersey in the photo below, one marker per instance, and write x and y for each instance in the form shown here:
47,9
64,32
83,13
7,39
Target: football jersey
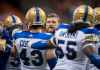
74,58
32,49
13,62
61,30
60,42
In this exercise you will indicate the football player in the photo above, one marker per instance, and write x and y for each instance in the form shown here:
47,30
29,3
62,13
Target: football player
59,39
12,24
4,48
52,21
34,46
54,26
97,26
79,40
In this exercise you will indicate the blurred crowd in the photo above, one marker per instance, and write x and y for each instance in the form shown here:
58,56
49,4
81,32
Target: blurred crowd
62,7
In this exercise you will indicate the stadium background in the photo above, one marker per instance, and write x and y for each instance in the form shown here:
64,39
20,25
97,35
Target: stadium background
64,8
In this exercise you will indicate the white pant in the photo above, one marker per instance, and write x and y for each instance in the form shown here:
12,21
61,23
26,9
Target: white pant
23,67
92,67
68,65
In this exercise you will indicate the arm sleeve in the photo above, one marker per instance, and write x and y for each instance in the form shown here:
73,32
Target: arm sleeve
90,40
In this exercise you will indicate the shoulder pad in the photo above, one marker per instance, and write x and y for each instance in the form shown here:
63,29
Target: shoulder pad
44,36
64,26
89,31
16,31
23,34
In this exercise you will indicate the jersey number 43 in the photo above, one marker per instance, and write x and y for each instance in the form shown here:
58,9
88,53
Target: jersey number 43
36,55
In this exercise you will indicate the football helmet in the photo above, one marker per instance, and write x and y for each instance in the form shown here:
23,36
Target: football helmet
52,20
35,16
78,14
12,20
97,15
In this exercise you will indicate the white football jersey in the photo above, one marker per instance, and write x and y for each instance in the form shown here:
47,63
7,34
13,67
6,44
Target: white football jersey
72,45
31,49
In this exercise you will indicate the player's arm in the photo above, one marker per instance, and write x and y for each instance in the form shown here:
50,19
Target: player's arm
13,49
58,51
54,53
89,49
14,54
51,56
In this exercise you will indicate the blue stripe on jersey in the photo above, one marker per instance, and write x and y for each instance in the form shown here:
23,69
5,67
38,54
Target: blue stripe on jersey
40,45
64,25
61,41
23,34
90,31
37,35
42,36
